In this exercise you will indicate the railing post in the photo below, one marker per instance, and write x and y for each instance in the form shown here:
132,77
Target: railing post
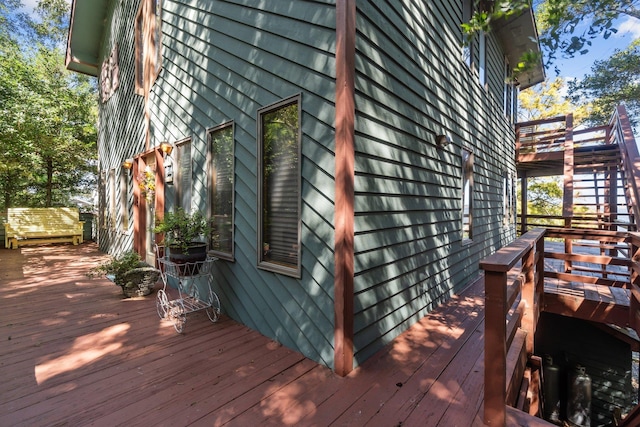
524,201
634,303
529,297
567,198
495,348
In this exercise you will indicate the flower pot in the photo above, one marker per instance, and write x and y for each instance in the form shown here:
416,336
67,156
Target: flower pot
140,281
197,252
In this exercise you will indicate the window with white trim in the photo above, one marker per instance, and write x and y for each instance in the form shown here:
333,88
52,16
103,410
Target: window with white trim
467,195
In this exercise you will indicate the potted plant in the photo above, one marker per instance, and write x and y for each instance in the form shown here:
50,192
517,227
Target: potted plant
182,234
136,278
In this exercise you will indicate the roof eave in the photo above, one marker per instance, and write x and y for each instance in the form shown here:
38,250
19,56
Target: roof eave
86,28
518,34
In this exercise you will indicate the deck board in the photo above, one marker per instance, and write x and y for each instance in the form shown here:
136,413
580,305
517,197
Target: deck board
76,353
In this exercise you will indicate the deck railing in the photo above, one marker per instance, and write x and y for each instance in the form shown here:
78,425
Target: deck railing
555,138
515,295
513,287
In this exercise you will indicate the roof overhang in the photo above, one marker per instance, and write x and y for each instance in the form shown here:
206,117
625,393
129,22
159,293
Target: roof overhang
86,29
518,34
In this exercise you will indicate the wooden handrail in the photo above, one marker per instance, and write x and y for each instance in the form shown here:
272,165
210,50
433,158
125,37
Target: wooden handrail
516,268
622,133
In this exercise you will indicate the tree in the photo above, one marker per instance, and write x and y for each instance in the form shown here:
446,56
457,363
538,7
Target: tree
568,26
47,114
611,82
548,100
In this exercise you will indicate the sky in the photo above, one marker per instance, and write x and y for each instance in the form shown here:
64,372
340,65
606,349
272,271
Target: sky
628,30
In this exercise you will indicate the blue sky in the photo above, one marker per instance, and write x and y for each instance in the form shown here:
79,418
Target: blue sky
628,30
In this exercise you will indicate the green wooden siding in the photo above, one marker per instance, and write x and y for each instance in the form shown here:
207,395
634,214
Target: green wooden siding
223,60
411,86
120,124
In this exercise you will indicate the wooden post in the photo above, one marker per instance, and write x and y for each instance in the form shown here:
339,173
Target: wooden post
344,186
529,297
495,348
567,199
524,200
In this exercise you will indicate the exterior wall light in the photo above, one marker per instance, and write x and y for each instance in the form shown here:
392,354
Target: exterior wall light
443,140
127,164
166,148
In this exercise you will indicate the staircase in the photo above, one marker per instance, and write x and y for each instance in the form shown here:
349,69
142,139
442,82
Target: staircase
592,261
598,166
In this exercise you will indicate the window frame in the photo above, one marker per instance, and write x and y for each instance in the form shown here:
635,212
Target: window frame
179,175
147,45
229,256
467,177
289,270
112,199
482,59
125,184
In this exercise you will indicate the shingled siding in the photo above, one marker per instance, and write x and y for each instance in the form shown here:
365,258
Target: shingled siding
223,60
412,85
121,128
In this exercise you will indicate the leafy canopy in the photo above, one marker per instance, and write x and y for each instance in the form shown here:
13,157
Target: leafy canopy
47,114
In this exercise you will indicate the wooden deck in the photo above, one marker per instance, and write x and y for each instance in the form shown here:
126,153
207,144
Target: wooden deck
76,353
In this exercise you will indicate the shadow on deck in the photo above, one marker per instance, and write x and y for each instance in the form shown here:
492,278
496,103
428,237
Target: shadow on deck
77,353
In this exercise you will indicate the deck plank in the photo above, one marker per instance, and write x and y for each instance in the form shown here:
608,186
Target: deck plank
77,353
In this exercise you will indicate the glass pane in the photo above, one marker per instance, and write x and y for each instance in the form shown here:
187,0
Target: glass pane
222,190
184,176
467,194
280,192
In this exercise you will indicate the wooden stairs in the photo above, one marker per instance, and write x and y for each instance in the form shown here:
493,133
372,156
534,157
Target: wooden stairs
589,265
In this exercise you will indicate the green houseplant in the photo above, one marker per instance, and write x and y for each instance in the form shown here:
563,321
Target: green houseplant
182,233
135,277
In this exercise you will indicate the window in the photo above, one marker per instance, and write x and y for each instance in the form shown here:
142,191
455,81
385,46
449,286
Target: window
222,189
183,160
109,75
482,58
102,202
148,44
474,49
124,198
112,199
279,187
467,12
506,93
509,198
467,195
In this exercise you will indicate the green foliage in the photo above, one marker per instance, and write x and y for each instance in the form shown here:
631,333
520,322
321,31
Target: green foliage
568,26
47,114
545,196
611,82
181,229
117,267
547,100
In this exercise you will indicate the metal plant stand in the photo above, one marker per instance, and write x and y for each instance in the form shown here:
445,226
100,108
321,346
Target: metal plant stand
193,281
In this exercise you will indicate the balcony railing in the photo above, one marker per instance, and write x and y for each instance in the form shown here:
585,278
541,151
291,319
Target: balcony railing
525,277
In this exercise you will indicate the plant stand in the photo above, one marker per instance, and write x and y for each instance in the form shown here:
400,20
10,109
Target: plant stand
194,281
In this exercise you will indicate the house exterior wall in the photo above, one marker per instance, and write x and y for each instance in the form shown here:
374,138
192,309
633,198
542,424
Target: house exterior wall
120,131
224,60
411,85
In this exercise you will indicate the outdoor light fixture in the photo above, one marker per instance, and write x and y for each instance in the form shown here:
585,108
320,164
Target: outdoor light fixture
166,147
127,164
443,140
